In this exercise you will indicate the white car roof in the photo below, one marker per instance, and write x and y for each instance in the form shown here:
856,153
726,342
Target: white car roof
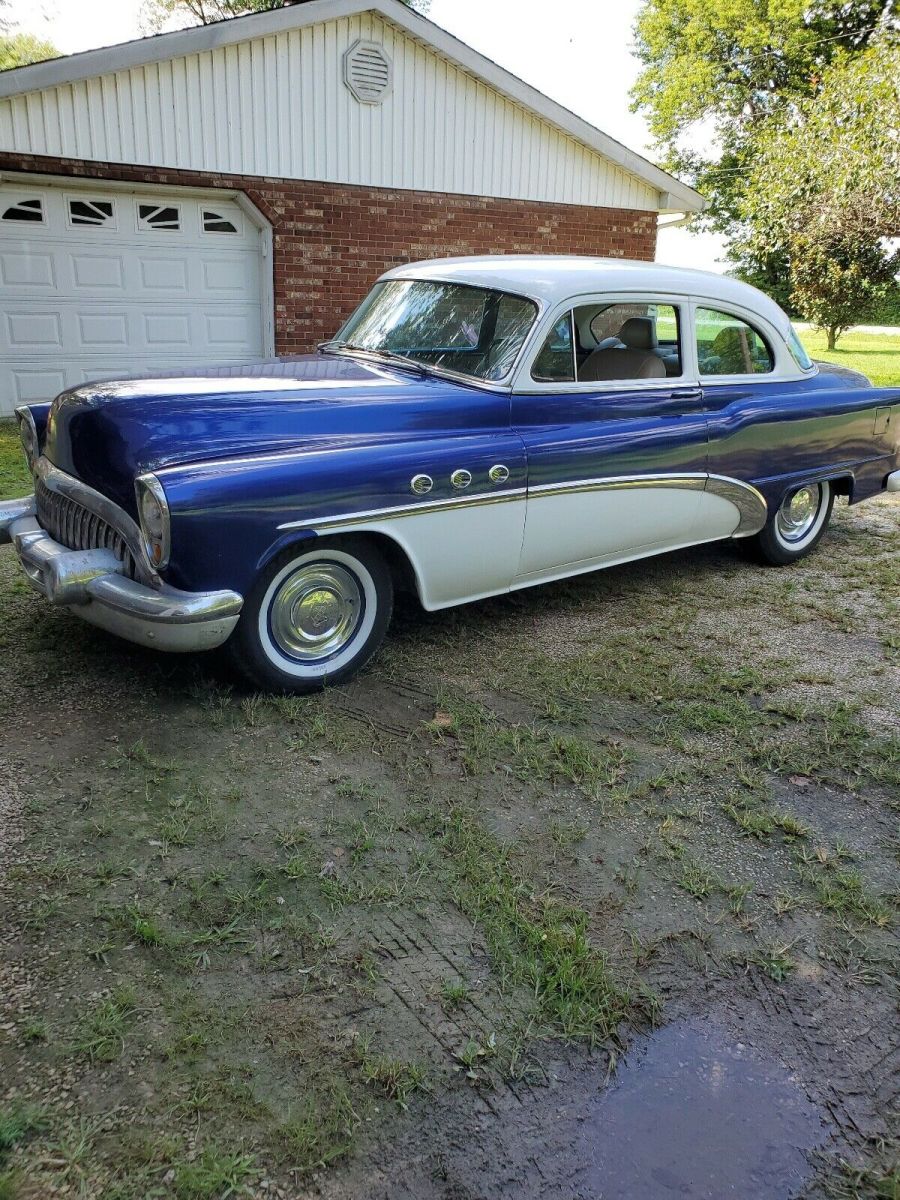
554,278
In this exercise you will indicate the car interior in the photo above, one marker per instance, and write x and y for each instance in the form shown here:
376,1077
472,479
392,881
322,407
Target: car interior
637,340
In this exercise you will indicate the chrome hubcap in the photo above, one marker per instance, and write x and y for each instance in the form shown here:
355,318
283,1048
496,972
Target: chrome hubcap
316,611
798,513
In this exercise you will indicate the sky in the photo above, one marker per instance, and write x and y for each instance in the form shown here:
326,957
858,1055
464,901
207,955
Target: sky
578,53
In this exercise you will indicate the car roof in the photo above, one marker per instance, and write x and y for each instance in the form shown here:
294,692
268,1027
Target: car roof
554,278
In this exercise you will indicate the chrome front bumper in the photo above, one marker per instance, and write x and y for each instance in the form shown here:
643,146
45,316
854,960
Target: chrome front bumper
90,583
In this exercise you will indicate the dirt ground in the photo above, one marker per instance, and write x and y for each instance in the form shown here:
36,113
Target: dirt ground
394,941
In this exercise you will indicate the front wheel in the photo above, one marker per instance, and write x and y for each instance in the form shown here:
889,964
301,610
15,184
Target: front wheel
796,528
315,616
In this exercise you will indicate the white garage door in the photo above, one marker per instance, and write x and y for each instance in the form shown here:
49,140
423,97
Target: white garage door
97,284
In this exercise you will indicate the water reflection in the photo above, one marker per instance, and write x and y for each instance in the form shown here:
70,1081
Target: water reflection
693,1113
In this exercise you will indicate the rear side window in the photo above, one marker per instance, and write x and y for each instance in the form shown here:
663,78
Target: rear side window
726,345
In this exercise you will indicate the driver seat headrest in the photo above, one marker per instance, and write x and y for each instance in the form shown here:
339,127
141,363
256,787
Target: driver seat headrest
639,333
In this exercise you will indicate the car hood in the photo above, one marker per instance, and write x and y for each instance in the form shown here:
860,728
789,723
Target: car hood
108,433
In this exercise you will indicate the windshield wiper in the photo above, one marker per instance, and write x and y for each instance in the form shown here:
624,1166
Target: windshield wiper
399,360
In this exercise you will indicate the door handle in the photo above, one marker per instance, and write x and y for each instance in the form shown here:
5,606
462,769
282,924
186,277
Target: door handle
687,393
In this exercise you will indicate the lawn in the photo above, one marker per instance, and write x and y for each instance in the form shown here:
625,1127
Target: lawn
387,942
877,355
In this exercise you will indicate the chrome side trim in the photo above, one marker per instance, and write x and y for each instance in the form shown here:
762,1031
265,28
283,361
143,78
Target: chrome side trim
406,510
690,481
749,502
73,489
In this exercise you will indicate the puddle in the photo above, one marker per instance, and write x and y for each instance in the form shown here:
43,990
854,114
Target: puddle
692,1113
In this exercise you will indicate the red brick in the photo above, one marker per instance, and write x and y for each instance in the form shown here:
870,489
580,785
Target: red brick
354,233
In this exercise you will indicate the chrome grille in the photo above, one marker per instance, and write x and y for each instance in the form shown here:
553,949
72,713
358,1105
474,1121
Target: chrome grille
74,526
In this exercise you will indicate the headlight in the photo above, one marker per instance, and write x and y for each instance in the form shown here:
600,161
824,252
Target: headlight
28,436
153,513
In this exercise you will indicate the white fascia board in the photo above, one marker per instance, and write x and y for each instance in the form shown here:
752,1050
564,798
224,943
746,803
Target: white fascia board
198,38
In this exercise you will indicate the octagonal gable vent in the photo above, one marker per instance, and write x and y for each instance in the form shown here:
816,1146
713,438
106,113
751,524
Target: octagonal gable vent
367,72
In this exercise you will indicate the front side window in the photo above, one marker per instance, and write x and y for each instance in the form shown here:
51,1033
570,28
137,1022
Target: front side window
598,342
726,345
470,330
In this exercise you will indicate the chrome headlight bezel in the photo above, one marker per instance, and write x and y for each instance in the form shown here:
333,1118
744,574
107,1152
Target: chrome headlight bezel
28,437
154,520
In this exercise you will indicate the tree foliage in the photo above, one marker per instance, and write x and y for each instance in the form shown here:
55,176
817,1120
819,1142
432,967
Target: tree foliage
158,13
19,49
824,191
716,71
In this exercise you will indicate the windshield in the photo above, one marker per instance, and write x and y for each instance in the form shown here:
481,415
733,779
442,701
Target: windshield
474,331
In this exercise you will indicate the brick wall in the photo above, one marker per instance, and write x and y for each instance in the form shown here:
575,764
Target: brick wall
332,240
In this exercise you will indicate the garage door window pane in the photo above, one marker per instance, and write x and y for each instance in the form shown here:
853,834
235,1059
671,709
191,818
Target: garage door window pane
156,216
726,345
215,222
90,212
24,210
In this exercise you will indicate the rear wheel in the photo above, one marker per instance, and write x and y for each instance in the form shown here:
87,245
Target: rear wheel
797,526
315,616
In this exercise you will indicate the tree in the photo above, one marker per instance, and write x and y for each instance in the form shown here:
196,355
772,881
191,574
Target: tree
19,49
203,12
838,279
824,191
716,72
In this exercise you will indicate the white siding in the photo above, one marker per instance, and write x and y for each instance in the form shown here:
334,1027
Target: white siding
277,106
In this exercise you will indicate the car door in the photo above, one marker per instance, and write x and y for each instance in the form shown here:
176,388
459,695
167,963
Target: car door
616,466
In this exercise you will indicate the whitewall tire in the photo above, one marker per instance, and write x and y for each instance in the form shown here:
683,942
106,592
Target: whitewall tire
315,616
797,526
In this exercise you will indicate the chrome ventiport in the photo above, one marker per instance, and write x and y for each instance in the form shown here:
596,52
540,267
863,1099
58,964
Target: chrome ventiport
461,478
498,473
421,484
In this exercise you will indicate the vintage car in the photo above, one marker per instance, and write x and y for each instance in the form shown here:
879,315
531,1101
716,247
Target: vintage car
478,425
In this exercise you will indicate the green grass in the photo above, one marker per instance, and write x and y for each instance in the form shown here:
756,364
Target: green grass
13,475
877,355
535,940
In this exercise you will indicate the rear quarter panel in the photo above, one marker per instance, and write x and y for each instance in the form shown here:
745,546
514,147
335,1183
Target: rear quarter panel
777,434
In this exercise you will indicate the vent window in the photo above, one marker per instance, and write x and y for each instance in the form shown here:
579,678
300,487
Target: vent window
90,212
156,216
214,222
24,210
367,72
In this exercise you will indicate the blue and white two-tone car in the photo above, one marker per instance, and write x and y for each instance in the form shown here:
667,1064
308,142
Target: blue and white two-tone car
478,425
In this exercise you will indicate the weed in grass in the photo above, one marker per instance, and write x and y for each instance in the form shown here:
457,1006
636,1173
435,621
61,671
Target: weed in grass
35,1031
471,1055
322,1130
454,993
393,1077
751,822
737,893
785,902
567,833
697,881
100,1032
845,894
775,960
790,826
213,1175
134,922
17,1122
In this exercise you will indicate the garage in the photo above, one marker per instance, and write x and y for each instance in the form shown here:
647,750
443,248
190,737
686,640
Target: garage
223,190
100,282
